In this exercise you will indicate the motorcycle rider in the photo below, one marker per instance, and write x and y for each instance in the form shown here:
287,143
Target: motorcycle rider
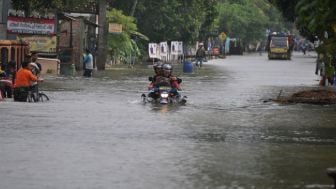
173,80
163,76
200,55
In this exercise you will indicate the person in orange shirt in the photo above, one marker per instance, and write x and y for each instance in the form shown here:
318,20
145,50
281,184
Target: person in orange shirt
23,80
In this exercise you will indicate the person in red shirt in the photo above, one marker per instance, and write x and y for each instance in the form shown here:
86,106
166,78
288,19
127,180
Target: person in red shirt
158,73
173,80
23,80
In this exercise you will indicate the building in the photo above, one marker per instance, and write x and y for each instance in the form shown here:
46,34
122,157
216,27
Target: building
63,36
76,33
4,6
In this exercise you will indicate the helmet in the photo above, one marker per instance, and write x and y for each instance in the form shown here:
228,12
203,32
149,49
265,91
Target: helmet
35,68
167,69
157,67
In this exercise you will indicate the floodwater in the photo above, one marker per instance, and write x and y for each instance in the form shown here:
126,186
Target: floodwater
96,133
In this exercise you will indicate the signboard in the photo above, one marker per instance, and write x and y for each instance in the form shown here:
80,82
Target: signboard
153,50
164,49
176,48
21,25
40,43
115,28
222,36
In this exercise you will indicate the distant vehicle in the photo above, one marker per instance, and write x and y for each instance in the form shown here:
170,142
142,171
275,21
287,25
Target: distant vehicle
279,46
235,47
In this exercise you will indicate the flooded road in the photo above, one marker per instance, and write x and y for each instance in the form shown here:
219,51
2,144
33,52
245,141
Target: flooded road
96,133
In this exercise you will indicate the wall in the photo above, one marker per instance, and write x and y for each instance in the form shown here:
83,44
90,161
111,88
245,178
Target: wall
4,6
49,66
82,36
76,46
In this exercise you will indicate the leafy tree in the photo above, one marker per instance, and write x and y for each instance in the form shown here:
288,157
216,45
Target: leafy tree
249,19
317,18
244,20
29,5
123,45
313,18
46,5
211,14
287,7
124,5
185,20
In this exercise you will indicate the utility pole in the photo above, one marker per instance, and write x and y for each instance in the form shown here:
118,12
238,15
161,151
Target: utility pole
102,36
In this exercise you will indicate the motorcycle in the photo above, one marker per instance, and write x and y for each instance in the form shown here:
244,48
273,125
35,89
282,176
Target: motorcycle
162,93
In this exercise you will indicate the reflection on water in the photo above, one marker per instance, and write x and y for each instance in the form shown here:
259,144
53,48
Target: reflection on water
101,135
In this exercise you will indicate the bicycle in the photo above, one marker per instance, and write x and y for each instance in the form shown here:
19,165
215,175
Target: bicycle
34,95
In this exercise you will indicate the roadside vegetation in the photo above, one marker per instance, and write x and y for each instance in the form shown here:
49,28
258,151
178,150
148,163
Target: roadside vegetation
196,20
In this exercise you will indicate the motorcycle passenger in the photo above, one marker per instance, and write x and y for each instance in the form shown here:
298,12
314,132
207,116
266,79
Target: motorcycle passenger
158,73
23,80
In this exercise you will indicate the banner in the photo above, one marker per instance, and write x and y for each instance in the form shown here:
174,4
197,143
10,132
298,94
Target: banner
176,48
40,43
153,50
164,49
23,25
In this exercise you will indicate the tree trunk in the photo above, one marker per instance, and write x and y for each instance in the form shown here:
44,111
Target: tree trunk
102,38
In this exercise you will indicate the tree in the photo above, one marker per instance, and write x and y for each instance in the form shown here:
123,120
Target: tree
29,5
287,7
244,20
171,20
123,45
313,18
208,27
47,5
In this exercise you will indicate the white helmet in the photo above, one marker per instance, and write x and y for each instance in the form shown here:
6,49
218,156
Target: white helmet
35,68
167,67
